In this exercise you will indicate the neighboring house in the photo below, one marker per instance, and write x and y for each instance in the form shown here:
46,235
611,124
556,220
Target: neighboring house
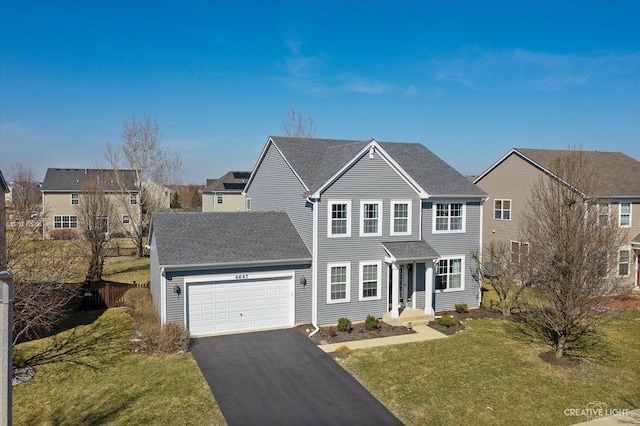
225,194
62,190
4,189
372,228
508,183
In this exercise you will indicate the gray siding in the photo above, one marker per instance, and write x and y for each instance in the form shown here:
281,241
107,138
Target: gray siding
456,244
275,188
367,179
156,279
302,294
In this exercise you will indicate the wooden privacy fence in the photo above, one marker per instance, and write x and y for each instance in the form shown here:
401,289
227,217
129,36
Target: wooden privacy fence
108,294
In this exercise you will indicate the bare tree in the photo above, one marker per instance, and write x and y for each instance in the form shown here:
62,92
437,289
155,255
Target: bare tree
95,212
297,126
42,269
25,194
505,271
155,169
572,255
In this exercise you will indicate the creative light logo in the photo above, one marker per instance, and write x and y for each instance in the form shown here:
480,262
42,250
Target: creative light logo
595,410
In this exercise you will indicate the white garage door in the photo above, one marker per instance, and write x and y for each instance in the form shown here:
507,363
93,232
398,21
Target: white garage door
229,306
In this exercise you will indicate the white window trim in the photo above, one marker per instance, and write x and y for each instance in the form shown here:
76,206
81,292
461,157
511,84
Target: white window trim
330,204
133,198
361,280
608,214
348,295
77,199
448,231
62,216
620,225
219,198
629,264
370,234
520,245
462,275
502,210
392,217
128,218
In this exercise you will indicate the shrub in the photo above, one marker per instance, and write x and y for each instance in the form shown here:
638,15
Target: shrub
344,350
371,323
332,331
62,234
462,308
151,337
344,324
446,321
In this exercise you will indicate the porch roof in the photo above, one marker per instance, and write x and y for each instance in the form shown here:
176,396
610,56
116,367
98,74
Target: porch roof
410,250
636,241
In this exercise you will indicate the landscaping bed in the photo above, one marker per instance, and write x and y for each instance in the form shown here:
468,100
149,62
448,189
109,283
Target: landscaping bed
460,317
330,334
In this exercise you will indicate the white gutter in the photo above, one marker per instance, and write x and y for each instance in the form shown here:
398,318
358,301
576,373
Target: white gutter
314,270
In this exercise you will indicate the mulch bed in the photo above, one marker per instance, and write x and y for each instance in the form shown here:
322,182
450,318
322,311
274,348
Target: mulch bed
567,361
460,318
330,334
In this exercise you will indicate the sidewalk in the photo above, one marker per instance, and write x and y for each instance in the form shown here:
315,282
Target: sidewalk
422,333
633,418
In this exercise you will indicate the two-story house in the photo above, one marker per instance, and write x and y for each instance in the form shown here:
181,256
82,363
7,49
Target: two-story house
62,190
509,181
383,226
226,193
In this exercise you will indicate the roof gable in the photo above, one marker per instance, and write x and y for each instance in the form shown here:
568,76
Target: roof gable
318,162
226,238
619,174
233,181
73,180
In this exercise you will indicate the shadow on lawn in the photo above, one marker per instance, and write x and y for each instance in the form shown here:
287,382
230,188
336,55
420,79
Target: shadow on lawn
94,345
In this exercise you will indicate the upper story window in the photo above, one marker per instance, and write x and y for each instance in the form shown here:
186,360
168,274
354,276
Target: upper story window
625,215
449,217
603,214
339,282
370,218
502,210
126,219
339,220
219,198
75,199
401,217
133,198
449,274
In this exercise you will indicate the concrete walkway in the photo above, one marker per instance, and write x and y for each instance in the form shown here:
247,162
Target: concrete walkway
632,418
422,334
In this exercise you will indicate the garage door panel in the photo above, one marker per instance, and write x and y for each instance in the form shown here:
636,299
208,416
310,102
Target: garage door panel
229,306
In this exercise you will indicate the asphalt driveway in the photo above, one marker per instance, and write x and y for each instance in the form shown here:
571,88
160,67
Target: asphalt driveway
280,377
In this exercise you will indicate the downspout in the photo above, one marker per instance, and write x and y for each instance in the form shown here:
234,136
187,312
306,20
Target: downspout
314,270
163,296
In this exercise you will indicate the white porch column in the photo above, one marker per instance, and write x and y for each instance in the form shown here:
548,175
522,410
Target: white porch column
395,293
413,285
428,288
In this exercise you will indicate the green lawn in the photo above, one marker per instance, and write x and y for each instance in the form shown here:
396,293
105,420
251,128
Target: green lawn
490,375
126,269
93,379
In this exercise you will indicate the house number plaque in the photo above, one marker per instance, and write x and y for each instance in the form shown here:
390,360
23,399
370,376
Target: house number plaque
242,276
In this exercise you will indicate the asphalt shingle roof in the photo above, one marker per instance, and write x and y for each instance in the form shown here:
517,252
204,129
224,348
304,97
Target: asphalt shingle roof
74,179
316,160
406,250
214,238
619,174
232,181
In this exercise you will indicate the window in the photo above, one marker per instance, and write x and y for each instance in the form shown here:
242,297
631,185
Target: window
370,273
370,217
219,198
449,217
74,199
339,275
248,204
502,210
623,262
449,274
339,218
519,251
65,222
603,214
401,217
101,224
133,198
625,215
126,219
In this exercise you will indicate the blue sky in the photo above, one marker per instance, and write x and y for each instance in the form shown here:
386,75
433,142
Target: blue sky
468,79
